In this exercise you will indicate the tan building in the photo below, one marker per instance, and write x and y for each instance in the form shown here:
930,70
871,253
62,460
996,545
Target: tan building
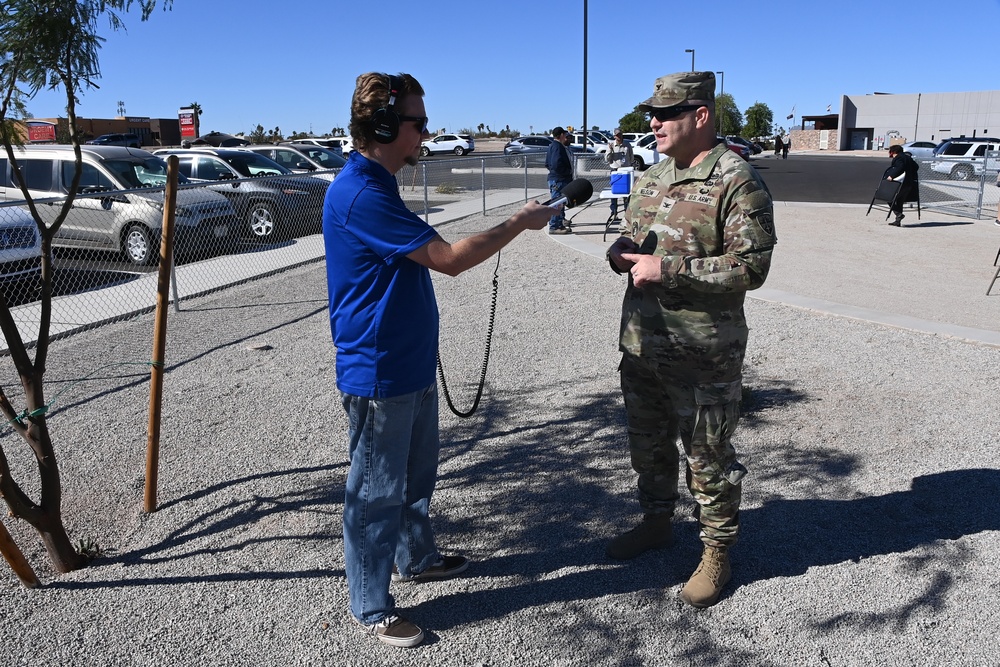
151,131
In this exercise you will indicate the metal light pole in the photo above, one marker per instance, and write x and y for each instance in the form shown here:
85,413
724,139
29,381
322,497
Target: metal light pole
691,51
722,91
585,132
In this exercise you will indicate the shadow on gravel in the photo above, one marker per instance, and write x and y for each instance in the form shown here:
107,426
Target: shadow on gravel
940,224
784,538
243,525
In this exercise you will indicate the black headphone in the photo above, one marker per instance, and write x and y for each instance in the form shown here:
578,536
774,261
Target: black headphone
386,120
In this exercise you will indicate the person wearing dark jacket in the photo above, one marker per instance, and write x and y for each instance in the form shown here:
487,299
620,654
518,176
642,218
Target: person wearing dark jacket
903,169
560,174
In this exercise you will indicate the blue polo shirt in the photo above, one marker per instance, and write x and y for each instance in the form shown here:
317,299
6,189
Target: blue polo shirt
383,314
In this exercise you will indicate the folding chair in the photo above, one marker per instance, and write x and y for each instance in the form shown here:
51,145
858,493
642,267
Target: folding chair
886,191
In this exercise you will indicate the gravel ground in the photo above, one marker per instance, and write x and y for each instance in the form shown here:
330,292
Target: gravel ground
870,529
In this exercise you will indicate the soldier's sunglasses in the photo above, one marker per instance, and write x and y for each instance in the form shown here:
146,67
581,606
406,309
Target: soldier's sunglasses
671,112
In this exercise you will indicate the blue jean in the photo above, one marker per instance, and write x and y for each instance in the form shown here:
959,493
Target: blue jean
556,221
394,450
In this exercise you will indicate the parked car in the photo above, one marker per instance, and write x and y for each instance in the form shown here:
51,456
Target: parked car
302,158
633,137
754,148
516,149
459,144
920,149
596,141
740,149
342,145
20,244
219,140
644,152
130,218
963,159
130,140
271,207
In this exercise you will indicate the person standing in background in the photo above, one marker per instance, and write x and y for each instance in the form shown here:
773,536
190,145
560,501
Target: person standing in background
619,155
560,174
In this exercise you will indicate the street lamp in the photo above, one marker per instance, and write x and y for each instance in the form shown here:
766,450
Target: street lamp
691,51
722,91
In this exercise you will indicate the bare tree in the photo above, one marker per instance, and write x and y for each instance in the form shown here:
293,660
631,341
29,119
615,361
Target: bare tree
47,44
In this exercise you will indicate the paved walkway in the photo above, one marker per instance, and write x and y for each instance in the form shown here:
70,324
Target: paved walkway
929,275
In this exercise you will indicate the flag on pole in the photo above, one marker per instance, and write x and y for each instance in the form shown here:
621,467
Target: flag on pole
791,115
828,108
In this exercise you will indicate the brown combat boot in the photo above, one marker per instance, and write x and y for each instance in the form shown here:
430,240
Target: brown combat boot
703,588
654,532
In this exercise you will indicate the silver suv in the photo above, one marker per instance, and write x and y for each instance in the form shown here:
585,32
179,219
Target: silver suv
963,158
119,203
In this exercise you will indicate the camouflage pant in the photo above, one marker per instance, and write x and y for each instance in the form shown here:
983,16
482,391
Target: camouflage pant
659,409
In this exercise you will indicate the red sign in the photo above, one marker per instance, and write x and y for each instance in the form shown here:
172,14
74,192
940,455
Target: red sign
186,118
41,132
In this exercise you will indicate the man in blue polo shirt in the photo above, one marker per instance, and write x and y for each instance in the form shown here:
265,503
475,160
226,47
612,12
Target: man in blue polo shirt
384,320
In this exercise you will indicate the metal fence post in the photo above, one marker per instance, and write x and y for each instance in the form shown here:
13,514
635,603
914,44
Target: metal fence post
173,284
982,187
427,208
482,177
525,178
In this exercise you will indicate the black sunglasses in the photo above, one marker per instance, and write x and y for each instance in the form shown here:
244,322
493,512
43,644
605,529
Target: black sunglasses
671,112
421,122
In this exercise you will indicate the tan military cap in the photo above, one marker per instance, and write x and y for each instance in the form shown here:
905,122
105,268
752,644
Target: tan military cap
674,89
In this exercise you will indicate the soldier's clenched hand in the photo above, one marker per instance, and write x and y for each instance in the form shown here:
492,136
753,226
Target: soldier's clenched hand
622,245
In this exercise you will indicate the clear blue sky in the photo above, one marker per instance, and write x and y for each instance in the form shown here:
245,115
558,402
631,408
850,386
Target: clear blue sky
292,64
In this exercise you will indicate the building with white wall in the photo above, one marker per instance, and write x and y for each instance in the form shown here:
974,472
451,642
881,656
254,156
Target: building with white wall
880,120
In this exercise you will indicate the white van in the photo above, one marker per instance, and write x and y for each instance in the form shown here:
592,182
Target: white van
119,202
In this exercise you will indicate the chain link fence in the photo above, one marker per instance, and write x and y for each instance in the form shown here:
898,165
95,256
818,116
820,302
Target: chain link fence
232,231
960,186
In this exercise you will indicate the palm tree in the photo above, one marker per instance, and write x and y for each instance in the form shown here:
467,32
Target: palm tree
196,108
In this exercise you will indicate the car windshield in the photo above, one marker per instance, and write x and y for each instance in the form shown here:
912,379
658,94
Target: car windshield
140,173
250,164
323,156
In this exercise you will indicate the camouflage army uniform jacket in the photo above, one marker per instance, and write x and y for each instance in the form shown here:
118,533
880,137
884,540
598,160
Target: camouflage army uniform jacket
713,226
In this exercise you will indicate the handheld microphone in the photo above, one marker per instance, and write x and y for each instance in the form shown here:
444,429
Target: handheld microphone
575,193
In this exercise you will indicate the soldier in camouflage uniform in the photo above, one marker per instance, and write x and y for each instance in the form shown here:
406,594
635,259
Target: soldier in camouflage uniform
699,234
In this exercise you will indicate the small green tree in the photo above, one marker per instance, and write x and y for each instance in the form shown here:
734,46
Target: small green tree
728,118
760,121
47,44
634,121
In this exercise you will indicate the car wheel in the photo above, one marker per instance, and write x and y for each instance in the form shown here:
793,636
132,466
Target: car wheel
962,172
261,219
515,161
459,151
424,151
637,163
137,245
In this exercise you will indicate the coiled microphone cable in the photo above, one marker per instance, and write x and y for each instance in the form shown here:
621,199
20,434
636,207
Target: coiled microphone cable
486,354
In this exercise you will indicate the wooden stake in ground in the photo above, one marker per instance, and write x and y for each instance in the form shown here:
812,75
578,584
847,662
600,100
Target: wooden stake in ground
12,554
160,337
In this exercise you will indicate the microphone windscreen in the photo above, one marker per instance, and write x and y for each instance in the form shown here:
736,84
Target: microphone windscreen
577,192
